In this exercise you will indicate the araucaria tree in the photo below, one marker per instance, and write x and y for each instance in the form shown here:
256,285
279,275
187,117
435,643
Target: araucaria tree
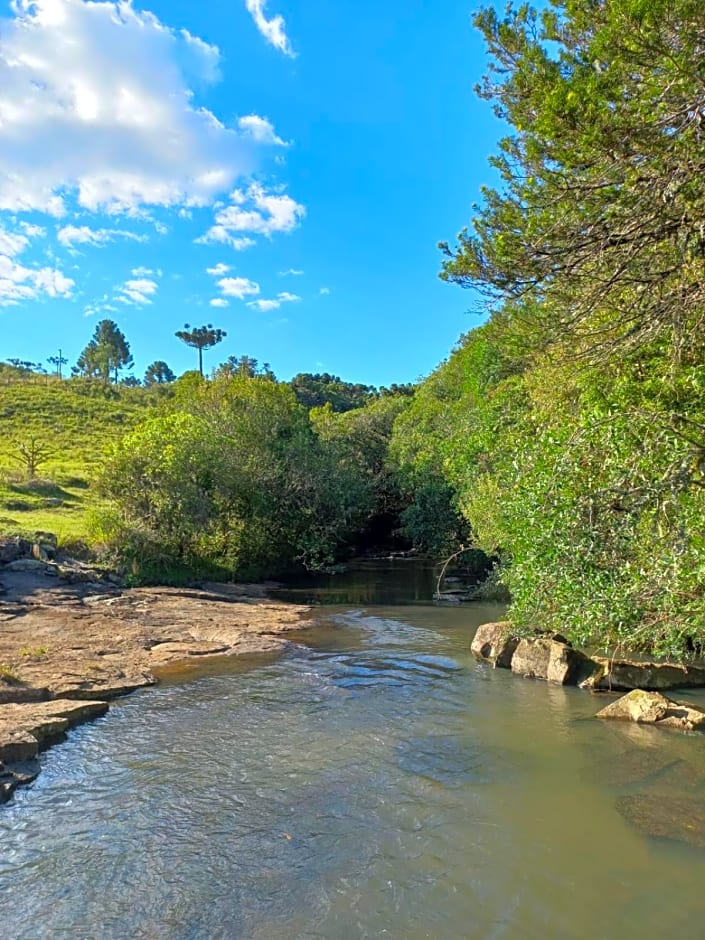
200,338
107,353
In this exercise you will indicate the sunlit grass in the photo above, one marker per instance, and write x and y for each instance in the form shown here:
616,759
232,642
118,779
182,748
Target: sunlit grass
77,430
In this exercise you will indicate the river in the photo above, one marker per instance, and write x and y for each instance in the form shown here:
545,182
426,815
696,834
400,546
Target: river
372,782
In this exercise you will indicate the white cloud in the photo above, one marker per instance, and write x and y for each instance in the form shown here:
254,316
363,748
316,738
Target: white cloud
264,306
257,212
325,290
137,291
239,287
71,235
274,30
294,272
260,129
96,108
18,283
99,306
219,302
218,233
12,244
33,231
146,272
218,270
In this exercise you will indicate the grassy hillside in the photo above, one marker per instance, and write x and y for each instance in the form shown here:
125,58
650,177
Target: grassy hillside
76,424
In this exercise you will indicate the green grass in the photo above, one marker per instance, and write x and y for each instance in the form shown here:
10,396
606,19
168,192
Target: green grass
77,425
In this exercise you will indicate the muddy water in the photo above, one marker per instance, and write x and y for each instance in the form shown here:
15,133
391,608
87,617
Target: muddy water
375,782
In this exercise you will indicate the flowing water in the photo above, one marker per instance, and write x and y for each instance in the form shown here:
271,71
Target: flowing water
374,782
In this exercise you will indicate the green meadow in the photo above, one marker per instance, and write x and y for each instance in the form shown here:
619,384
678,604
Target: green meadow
74,424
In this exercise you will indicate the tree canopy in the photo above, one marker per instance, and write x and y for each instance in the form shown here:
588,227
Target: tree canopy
571,429
315,390
200,338
596,231
158,373
106,354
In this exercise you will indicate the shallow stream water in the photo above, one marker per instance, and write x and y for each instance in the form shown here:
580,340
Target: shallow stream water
373,782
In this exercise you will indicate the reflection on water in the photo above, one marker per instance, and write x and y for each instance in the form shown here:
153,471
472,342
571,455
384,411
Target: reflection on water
376,783
367,582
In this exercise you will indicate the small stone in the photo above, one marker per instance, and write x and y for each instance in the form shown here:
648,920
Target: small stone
653,708
12,547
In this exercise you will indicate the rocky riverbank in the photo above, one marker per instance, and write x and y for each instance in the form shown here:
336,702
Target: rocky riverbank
553,658
68,645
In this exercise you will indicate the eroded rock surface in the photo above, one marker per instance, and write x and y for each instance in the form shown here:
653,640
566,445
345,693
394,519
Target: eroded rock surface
495,643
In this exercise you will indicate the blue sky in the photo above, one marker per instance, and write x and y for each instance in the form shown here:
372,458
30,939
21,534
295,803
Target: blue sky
282,170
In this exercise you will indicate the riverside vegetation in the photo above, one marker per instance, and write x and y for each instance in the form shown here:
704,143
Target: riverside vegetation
564,438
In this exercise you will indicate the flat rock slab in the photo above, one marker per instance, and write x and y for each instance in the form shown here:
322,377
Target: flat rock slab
109,642
624,675
24,729
14,692
68,647
654,709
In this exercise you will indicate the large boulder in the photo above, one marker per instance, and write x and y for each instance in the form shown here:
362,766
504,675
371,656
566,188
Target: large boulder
623,675
653,708
551,658
495,643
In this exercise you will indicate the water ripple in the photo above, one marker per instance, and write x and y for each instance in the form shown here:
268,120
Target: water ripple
375,784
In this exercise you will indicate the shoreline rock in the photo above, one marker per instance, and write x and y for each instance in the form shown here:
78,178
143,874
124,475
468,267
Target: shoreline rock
67,647
495,643
27,729
553,658
652,708
624,675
